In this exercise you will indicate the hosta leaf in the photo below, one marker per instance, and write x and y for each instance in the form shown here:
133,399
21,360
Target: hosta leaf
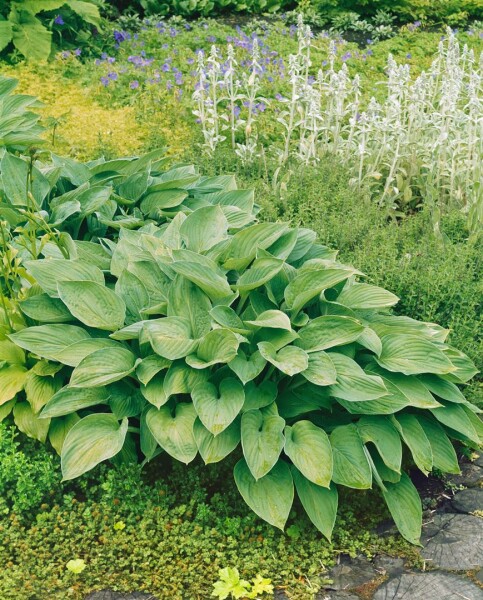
290,359
171,337
73,354
29,423
155,202
58,430
412,355
406,386
205,276
204,228
218,409
259,396
182,379
125,400
309,284
247,368
154,391
370,340
48,341
261,271
442,388
150,366
174,433
455,417
444,455
382,433
305,241
185,299
45,309
351,467
321,370
275,319
227,317
262,441
91,440
215,448
464,368
328,331
39,390
49,272
69,400
244,244
12,381
11,353
309,449
320,503
353,384
93,304
365,296
103,367
415,439
404,504
270,497
217,346
132,291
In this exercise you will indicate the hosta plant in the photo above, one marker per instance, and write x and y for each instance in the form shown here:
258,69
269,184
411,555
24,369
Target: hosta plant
211,334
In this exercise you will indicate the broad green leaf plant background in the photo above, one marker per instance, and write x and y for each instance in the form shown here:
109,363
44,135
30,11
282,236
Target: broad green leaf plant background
147,310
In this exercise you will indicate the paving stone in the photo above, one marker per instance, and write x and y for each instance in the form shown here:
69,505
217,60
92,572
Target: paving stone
336,596
279,595
351,573
389,565
454,541
471,476
479,576
428,586
110,595
468,501
479,461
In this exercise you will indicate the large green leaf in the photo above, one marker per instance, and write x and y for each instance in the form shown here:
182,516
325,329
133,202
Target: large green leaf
309,284
132,291
185,299
354,384
244,244
262,441
309,449
320,503
270,497
150,366
69,400
12,381
217,409
321,370
93,304
48,341
29,423
74,353
174,433
247,368
444,455
404,504
182,379
351,467
259,396
204,228
442,388
39,390
45,309
273,319
454,417
206,275
59,428
49,272
215,448
365,296
382,433
412,355
262,270
328,331
171,337
290,359
103,367
217,346
5,34
29,36
415,439
91,440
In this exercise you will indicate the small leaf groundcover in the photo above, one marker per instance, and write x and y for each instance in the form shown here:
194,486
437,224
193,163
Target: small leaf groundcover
196,329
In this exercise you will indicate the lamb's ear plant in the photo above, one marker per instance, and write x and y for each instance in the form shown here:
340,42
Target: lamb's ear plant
213,334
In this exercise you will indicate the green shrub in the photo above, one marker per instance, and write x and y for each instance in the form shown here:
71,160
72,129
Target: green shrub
32,27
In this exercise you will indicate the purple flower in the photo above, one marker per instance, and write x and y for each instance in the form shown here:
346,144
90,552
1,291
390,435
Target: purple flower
77,52
165,68
112,75
105,81
120,36
409,55
369,42
65,54
59,20
236,110
346,56
134,84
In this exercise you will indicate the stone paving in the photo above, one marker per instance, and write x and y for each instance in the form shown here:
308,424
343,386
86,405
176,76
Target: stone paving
452,543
